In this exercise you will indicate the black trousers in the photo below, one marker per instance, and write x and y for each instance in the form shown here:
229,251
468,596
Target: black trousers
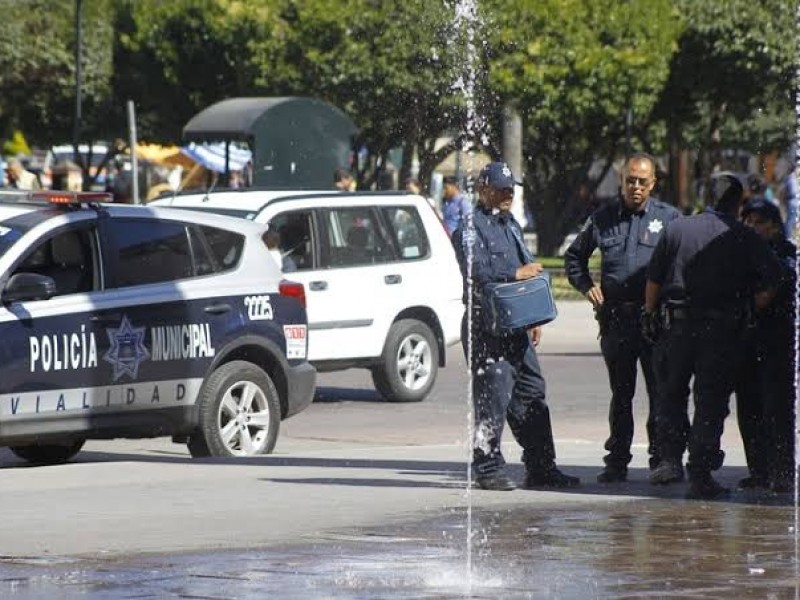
765,395
507,384
623,348
710,350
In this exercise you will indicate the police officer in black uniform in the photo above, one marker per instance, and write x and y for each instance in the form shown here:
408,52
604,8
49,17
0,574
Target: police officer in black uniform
766,391
626,233
705,273
507,382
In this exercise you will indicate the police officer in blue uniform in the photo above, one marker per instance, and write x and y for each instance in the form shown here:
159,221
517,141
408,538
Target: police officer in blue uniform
626,233
706,272
766,391
507,382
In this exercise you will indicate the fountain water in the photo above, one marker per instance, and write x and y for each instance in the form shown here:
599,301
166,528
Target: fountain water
465,23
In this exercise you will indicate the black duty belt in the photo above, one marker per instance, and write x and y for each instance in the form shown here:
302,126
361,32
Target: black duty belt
688,312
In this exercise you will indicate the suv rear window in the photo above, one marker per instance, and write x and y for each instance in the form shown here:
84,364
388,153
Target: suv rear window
408,231
226,247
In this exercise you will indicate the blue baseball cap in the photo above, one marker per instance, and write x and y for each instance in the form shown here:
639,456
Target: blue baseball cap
764,208
498,176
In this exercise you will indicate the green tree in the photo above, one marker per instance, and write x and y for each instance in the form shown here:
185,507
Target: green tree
573,69
37,70
735,64
390,65
175,58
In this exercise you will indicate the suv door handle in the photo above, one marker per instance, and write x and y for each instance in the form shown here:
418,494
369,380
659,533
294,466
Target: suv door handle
392,279
106,319
217,309
318,285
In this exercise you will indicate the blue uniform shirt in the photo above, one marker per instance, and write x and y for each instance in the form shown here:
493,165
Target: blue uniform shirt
497,248
626,241
454,211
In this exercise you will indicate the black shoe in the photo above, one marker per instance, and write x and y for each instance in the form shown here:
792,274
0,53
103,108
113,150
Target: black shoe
613,475
498,482
781,485
706,488
669,471
752,482
552,478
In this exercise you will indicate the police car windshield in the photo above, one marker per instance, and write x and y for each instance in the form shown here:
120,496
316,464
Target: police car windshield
10,233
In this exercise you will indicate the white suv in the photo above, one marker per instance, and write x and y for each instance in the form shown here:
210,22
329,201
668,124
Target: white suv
382,282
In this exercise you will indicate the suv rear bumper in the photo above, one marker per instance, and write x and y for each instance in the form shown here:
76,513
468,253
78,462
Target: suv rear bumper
301,385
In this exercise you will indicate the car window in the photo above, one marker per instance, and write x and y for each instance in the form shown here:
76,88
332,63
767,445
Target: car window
407,230
150,251
353,236
292,234
225,247
69,257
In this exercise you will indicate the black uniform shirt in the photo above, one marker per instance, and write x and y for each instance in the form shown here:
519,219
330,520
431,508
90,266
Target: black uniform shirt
626,241
713,261
783,305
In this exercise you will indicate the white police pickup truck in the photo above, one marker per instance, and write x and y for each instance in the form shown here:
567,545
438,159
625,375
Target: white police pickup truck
131,321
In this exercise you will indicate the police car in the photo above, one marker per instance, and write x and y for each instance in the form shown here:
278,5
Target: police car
384,288
132,321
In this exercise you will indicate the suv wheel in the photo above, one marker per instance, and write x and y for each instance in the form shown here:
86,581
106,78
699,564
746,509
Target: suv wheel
239,413
48,454
409,362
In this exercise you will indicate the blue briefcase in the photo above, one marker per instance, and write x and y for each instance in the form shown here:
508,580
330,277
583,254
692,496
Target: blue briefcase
518,304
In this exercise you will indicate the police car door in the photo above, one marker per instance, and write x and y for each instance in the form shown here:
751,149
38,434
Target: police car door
52,349
161,340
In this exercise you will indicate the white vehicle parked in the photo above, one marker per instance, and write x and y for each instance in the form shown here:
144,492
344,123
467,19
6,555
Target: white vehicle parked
382,282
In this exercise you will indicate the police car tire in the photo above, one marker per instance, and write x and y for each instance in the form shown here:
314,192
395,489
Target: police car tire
48,454
207,441
387,378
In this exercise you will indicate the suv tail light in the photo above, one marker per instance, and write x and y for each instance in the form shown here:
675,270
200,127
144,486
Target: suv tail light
292,289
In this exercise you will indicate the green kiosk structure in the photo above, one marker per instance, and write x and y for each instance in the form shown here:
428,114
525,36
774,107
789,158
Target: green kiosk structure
297,143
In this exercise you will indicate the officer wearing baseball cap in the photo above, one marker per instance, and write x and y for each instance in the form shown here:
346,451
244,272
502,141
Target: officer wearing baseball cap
507,382
766,388
706,271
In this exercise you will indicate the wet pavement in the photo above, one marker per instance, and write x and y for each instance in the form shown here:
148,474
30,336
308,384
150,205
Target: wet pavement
635,549
366,500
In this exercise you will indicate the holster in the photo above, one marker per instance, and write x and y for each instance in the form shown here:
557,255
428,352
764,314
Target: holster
603,317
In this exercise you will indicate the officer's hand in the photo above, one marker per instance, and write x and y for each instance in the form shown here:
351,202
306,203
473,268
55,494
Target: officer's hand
595,296
536,335
650,326
529,270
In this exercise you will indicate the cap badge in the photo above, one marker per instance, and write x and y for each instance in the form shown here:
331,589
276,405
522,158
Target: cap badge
506,171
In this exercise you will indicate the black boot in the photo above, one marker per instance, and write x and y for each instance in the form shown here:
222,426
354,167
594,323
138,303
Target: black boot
705,487
498,482
551,478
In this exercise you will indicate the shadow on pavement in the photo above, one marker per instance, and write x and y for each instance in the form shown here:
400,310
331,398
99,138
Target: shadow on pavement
453,472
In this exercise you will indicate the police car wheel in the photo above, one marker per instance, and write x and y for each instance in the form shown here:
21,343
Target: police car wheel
239,413
48,454
409,363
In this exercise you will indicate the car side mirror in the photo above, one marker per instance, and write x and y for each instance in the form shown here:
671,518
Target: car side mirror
29,286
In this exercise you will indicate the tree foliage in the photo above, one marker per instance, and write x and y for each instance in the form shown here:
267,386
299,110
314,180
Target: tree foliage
573,69
390,65
733,76
37,68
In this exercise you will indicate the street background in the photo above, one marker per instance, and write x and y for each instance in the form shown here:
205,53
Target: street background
350,461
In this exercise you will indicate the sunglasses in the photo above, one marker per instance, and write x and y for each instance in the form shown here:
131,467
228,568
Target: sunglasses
637,181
